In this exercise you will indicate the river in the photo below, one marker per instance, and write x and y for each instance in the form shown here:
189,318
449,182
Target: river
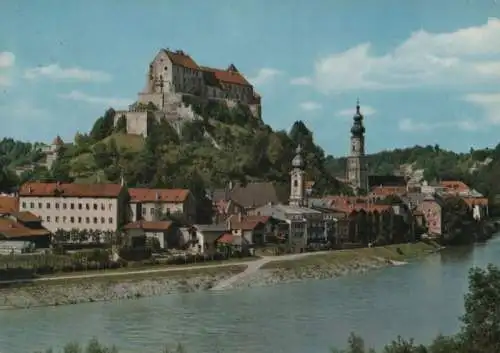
416,300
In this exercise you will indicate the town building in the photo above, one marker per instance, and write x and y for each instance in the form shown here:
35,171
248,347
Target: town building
51,151
163,232
172,75
357,169
301,226
64,206
153,204
20,231
432,209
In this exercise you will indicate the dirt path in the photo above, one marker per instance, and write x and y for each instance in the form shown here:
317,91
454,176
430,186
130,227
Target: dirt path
256,265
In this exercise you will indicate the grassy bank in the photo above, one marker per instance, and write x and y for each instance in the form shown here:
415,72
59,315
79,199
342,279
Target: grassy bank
396,252
160,272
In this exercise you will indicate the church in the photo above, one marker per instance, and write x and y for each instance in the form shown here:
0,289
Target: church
303,226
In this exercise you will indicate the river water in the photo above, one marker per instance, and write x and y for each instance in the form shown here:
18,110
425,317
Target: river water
417,300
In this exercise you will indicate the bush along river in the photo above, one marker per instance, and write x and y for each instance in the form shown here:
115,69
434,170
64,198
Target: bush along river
416,300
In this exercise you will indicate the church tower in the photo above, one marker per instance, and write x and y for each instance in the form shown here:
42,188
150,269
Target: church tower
357,173
298,184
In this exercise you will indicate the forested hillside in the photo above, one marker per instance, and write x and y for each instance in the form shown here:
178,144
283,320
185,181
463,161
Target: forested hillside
228,144
478,168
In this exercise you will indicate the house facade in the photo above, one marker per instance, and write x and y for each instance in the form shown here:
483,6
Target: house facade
163,232
152,204
74,206
432,211
24,227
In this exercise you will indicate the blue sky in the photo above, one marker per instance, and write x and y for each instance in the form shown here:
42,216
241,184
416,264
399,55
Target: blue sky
425,71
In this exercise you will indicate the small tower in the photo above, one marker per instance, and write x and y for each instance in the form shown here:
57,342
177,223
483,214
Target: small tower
357,173
297,188
52,152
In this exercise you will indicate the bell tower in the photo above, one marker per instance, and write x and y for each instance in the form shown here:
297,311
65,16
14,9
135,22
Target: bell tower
357,171
297,176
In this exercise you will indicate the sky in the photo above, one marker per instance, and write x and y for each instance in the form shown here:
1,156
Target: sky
425,71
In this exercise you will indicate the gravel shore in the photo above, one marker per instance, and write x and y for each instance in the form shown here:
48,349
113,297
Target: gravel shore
265,277
91,290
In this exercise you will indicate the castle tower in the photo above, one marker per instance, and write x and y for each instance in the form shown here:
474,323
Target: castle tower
297,188
357,172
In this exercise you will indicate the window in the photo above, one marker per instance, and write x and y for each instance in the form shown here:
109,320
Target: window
47,205
144,211
79,219
39,205
24,204
87,206
110,206
57,205
56,219
32,205
72,206
64,219
102,220
102,207
65,206
48,218
80,206
95,206
87,220
110,220
72,219
95,220
152,211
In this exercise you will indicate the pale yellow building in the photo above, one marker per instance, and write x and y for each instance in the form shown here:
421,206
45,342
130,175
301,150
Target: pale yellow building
75,206
152,204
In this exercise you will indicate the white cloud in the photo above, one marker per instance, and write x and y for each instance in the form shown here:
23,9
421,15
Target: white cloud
464,57
489,102
56,72
264,75
102,101
410,125
23,111
310,106
7,59
301,81
366,110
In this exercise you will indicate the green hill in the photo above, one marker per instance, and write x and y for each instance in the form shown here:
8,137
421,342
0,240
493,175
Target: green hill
227,144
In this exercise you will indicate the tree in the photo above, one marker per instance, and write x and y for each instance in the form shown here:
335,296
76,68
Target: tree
121,124
481,330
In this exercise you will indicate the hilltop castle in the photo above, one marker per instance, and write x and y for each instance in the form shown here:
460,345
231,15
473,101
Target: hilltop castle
174,74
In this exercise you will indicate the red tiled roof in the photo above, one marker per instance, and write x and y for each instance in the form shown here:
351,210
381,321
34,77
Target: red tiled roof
182,59
158,195
472,201
247,222
10,229
388,190
8,204
149,225
455,185
70,190
26,216
231,77
226,238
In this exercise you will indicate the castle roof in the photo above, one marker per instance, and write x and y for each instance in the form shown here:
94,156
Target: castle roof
227,76
180,58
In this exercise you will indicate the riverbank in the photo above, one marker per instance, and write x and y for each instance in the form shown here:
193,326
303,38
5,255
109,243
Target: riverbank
266,271
336,263
93,289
